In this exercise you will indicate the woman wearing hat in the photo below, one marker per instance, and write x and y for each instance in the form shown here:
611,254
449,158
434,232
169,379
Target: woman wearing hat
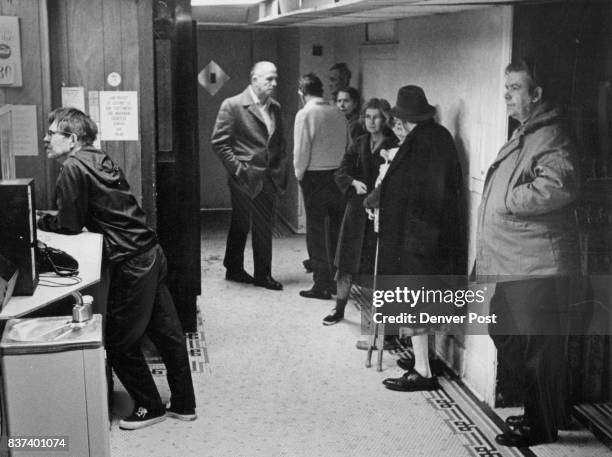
421,224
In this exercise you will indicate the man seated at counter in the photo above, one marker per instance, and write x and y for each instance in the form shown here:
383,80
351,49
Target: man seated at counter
92,192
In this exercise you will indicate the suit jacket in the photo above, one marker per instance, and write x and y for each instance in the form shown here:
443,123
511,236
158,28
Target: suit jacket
248,151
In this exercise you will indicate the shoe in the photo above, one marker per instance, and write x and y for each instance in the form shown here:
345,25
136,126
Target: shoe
239,276
516,421
141,417
411,381
183,415
321,294
522,437
405,363
365,345
333,318
268,282
307,265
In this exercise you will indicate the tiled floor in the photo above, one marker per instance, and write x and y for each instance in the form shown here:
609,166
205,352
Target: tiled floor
271,381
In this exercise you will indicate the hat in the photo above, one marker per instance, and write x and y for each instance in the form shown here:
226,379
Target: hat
412,105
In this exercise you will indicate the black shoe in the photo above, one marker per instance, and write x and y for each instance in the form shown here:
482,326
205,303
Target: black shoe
516,421
307,265
321,294
268,282
141,417
182,415
522,437
239,276
411,381
333,318
405,363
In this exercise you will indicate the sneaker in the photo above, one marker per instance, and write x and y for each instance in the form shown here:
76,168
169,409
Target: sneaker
187,415
141,417
333,318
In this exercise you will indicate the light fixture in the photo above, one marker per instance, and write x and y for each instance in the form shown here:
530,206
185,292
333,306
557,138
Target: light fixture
223,2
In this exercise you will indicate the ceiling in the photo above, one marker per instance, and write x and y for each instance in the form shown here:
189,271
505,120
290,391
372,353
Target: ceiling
332,13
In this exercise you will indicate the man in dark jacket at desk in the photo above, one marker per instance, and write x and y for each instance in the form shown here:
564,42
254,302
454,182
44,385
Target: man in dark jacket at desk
92,192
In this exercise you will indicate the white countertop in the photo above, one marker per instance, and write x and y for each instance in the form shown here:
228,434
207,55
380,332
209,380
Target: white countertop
86,248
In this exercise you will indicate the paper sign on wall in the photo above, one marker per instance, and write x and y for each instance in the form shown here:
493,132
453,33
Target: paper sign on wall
25,136
10,52
119,116
73,97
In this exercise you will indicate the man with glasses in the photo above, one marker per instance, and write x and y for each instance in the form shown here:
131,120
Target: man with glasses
92,192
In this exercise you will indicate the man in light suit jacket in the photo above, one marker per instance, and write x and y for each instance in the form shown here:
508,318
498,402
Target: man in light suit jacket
248,138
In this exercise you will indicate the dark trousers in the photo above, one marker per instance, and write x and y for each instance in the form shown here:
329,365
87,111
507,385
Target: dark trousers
324,204
139,303
246,212
530,340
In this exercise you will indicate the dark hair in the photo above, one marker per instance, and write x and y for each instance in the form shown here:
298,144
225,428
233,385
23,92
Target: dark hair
343,70
74,121
530,68
310,84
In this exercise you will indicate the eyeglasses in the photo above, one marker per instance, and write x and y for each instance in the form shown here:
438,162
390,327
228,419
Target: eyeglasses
50,133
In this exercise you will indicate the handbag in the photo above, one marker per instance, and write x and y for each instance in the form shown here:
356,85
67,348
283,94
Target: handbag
52,260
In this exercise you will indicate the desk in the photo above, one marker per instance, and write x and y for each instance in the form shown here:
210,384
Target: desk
86,248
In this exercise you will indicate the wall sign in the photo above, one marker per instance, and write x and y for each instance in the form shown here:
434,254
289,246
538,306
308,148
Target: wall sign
10,52
119,116
73,97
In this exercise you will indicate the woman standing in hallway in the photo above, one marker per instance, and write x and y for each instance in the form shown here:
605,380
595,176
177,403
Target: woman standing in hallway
348,101
355,178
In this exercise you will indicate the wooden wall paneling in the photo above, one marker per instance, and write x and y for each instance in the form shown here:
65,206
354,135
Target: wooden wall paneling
112,48
130,75
46,105
58,45
31,92
146,97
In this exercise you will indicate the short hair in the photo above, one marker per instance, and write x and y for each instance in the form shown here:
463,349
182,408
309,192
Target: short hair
74,121
530,68
343,70
381,105
257,66
310,84
354,94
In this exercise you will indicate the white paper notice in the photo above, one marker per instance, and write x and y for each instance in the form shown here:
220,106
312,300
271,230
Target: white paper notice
119,115
73,97
24,125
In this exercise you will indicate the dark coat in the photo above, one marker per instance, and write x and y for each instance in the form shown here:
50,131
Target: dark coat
92,192
242,142
422,207
356,242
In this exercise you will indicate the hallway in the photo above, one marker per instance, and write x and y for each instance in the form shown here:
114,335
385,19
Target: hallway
275,382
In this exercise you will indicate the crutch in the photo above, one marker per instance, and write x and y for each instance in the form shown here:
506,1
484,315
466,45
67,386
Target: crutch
378,333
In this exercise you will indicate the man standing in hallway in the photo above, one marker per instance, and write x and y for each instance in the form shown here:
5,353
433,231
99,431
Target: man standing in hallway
527,241
339,78
248,138
320,139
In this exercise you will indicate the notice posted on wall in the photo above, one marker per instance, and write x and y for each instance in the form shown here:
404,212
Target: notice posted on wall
119,116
